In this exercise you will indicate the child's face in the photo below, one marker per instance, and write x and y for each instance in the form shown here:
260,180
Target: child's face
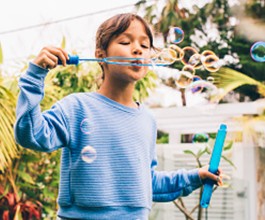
134,42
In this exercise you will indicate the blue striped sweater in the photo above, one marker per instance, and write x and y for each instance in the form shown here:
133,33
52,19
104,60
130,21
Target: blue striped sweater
108,152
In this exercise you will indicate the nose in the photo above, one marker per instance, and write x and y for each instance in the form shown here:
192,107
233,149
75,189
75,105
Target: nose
137,50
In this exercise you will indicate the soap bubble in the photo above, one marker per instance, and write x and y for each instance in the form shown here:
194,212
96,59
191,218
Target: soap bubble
209,90
200,138
179,53
206,53
184,79
175,35
88,154
195,61
211,63
86,126
189,69
257,51
196,88
167,55
210,79
188,53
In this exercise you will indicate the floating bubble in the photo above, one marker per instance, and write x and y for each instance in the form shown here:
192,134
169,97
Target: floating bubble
211,63
207,89
200,138
189,69
257,51
86,126
179,53
88,154
210,79
206,53
188,53
184,79
167,55
196,89
195,61
175,35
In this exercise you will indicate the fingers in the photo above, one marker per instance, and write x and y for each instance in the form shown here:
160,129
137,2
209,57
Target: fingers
218,179
205,174
49,56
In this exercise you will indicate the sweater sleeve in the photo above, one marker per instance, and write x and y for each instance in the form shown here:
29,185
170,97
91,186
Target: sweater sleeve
170,185
41,131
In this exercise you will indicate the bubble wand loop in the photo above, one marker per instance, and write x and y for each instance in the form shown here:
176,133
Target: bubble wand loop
214,164
123,61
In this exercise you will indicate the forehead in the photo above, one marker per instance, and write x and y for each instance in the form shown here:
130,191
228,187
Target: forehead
136,28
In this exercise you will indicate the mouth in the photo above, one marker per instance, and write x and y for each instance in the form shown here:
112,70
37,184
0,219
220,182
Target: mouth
137,62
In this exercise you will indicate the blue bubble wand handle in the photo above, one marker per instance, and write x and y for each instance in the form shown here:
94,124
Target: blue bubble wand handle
214,164
74,60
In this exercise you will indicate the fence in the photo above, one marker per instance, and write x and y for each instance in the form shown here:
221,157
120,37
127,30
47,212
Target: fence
239,201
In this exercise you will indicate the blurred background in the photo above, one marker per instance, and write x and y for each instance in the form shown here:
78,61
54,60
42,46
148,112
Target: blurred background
217,77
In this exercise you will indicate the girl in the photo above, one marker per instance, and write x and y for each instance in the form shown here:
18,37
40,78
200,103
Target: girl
108,141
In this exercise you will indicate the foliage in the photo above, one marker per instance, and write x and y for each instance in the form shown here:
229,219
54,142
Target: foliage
256,9
162,137
7,118
13,207
144,86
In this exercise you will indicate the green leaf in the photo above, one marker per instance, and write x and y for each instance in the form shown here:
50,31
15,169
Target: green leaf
228,146
26,177
190,152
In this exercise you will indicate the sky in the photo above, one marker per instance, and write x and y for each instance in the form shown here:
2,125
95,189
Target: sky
20,39
81,17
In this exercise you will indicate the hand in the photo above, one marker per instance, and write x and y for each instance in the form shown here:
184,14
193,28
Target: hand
204,174
48,57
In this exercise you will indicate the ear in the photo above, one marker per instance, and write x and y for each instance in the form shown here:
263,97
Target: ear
99,53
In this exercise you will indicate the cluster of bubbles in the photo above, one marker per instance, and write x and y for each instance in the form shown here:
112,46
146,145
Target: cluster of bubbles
191,60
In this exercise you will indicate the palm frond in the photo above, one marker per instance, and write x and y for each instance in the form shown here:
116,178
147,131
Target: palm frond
229,79
8,147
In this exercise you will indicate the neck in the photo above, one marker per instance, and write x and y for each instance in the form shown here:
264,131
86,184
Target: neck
122,93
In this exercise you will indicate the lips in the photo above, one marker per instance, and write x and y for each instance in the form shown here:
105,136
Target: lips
136,62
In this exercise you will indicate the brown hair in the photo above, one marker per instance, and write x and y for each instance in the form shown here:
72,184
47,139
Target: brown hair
116,25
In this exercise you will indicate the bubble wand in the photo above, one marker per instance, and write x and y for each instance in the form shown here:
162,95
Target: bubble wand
124,61
214,164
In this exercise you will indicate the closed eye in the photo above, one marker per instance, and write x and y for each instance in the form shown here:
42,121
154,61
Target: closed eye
124,43
145,46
